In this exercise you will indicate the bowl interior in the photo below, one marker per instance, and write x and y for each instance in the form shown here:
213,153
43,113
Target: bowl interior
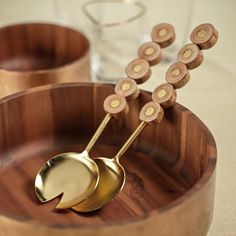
38,46
163,164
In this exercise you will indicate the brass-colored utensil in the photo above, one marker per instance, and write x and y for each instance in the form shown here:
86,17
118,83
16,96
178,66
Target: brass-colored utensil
76,173
112,174
74,176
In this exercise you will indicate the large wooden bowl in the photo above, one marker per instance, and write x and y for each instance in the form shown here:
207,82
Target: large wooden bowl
34,54
170,168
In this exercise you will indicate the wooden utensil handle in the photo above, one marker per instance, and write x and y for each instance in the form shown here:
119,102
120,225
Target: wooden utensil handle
190,56
203,36
150,53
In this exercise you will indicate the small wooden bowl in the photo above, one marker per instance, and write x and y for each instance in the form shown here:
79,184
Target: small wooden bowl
36,54
170,168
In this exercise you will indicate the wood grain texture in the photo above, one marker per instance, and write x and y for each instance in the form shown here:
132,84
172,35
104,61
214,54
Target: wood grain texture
36,54
170,168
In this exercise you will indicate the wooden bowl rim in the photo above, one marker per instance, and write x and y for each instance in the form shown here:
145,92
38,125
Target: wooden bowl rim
49,70
202,182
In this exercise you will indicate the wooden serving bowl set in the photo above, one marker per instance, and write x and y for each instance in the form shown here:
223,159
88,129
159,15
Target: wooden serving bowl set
170,168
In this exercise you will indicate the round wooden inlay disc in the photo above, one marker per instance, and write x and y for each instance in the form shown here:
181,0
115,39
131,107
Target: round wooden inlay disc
150,52
127,88
204,35
177,75
139,70
151,113
190,55
115,105
164,94
163,34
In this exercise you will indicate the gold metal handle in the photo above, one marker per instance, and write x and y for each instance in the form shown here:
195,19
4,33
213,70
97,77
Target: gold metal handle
98,132
151,113
114,105
130,140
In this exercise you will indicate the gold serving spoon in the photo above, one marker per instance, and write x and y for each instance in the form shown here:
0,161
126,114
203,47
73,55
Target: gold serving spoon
75,173
112,174
74,176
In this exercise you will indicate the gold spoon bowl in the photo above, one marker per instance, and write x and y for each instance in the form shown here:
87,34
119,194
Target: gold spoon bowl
69,175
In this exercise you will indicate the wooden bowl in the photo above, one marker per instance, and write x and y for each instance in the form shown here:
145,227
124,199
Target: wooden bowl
36,54
170,168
